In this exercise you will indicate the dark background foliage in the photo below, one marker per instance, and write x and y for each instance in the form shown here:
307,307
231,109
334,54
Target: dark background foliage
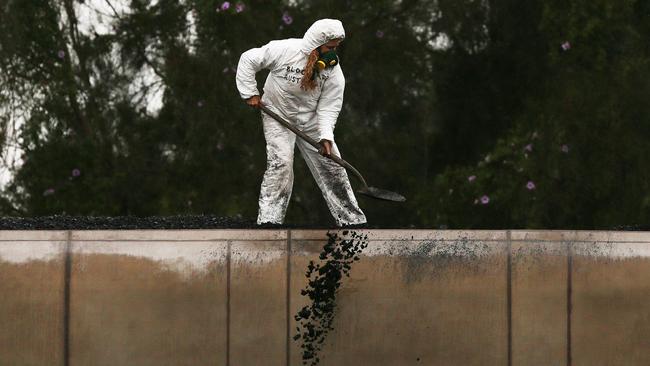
485,114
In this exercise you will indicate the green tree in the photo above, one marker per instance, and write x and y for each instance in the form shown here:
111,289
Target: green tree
579,141
550,94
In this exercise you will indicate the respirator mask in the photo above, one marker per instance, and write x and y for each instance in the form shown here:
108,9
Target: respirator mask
327,59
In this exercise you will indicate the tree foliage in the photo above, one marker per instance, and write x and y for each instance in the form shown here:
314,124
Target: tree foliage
486,114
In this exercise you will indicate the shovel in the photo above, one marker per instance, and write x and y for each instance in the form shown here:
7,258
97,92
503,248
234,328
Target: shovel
365,190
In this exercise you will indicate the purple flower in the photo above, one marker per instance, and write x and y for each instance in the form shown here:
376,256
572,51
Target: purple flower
530,185
379,34
61,54
225,5
240,7
565,148
565,46
286,18
471,178
529,147
485,200
76,172
48,192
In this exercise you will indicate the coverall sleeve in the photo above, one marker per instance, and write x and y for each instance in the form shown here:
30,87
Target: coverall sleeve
254,60
329,104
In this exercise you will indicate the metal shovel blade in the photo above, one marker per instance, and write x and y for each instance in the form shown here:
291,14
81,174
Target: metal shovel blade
381,194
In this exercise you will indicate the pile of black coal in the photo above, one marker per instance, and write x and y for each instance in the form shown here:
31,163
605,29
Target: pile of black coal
637,227
177,222
315,319
63,222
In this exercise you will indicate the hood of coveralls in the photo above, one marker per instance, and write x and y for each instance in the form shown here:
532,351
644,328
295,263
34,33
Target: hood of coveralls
321,32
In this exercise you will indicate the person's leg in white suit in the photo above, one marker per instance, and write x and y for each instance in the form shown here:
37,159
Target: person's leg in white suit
333,181
277,184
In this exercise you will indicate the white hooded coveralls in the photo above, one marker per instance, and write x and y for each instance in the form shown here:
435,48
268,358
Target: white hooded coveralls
313,111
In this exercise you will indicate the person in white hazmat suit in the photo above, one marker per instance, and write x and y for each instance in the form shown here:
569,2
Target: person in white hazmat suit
305,86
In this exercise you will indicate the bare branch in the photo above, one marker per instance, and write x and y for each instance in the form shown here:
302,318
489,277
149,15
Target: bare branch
112,8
